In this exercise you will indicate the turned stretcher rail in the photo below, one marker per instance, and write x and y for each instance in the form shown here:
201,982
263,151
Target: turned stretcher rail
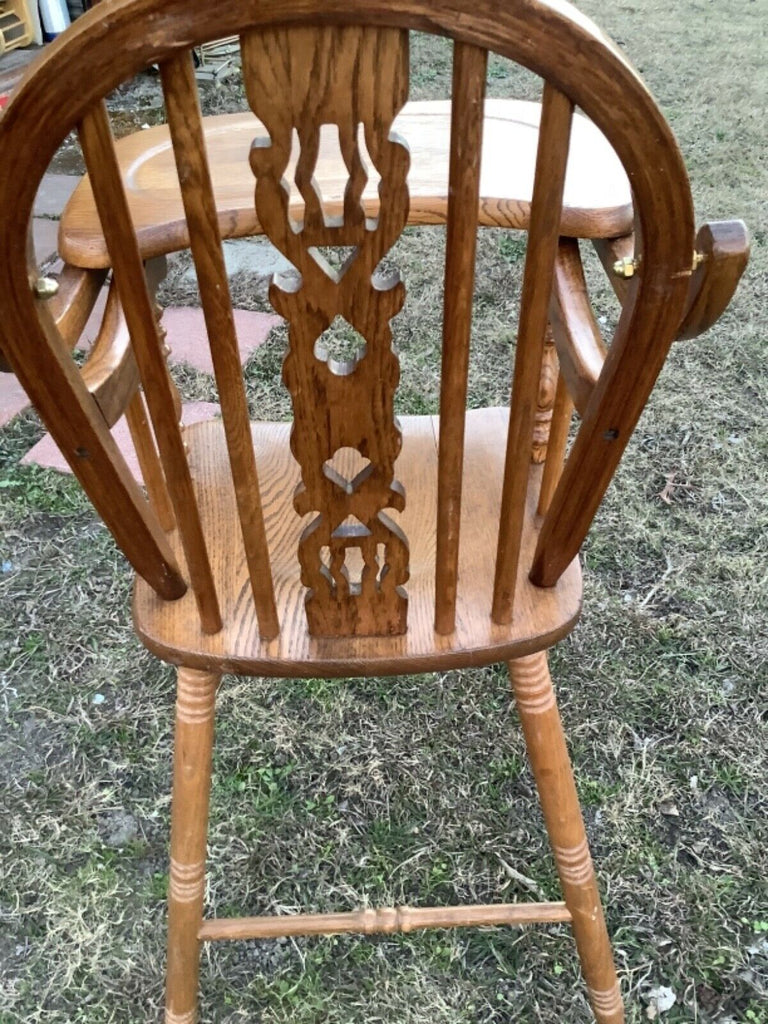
383,921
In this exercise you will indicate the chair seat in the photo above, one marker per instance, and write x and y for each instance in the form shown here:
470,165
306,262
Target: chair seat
542,616
597,202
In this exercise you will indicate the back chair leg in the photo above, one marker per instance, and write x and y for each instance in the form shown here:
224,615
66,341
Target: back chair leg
193,744
545,740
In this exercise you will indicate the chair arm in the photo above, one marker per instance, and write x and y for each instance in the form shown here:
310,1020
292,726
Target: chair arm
579,343
110,373
722,252
72,305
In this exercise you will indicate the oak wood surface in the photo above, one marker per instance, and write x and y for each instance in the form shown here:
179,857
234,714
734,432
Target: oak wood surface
541,617
550,38
723,247
469,70
581,68
548,753
149,461
192,754
580,346
557,442
183,108
551,161
354,559
128,269
110,372
385,920
597,200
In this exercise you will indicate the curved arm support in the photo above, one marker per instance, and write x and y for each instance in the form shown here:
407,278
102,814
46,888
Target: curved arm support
722,252
579,344
110,372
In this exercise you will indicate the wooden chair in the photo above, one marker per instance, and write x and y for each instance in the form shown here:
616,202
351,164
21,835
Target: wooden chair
349,543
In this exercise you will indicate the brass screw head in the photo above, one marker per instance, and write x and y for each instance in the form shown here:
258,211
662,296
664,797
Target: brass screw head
46,287
625,267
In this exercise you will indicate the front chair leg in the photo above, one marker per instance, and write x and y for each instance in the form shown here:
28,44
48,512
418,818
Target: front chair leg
193,743
545,740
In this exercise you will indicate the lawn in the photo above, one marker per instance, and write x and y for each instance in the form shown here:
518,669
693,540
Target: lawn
331,794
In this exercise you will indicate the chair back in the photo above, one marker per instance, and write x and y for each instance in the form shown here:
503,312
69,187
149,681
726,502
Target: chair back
342,65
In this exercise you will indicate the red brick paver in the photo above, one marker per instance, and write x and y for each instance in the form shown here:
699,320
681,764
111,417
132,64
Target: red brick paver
188,338
46,454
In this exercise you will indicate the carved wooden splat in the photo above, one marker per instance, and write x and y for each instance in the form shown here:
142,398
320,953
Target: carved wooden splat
353,557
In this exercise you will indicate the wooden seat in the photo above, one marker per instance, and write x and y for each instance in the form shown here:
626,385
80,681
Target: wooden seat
172,630
597,201
350,543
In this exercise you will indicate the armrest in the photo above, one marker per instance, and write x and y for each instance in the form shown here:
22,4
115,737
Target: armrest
110,373
722,252
579,343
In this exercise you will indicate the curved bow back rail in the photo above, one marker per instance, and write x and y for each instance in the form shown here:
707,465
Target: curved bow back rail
580,67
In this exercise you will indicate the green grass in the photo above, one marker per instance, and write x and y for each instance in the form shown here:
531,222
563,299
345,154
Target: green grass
330,794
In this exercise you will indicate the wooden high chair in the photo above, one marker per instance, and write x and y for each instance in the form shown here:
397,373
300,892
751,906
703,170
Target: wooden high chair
349,543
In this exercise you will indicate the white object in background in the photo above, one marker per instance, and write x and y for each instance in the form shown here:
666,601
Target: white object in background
54,16
37,28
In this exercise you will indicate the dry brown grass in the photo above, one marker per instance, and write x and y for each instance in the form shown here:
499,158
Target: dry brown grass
330,794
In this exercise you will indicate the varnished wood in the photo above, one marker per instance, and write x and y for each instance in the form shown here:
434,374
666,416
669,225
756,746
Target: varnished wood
557,111
149,461
724,250
469,69
78,291
557,441
581,69
110,372
545,740
184,118
547,37
597,200
541,617
385,921
580,347
616,250
128,269
71,307
192,751
359,78
542,420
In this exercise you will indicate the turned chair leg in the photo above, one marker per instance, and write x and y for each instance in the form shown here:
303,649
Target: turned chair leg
193,743
545,740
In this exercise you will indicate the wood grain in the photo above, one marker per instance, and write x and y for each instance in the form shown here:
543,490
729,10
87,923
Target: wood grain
562,414
128,270
469,69
580,347
192,754
541,617
110,372
724,250
149,461
384,921
359,77
548,753
557,111
78,291
597,200
109,45
184,118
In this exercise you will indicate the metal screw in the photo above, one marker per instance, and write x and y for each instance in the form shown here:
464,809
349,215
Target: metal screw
46,287
625,267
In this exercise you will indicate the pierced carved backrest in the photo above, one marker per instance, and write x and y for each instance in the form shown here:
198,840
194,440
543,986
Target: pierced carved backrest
355,79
